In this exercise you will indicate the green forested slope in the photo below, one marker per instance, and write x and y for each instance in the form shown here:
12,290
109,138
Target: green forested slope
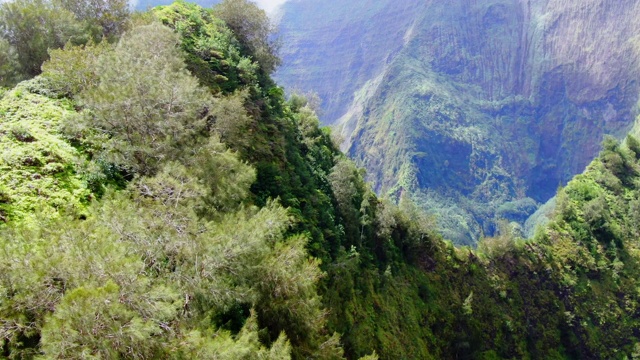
190,211
570,293
131,231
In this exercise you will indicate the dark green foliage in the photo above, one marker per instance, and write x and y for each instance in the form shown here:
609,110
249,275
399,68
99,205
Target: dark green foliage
569,293
634,145
620,161
291,154
212,53
32,27
253,28
518,210
105,18
9,66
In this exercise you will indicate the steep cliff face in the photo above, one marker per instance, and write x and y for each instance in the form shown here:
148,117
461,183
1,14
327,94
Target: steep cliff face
479,109
333,48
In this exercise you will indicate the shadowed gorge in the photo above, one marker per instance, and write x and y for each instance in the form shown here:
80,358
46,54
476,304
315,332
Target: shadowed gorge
471,107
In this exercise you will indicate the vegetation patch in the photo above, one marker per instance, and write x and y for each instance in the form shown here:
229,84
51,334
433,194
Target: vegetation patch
37,166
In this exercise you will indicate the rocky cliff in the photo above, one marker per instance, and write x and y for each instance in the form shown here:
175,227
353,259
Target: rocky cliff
478,109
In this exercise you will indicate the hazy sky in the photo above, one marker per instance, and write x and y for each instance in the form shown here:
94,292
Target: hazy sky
270,5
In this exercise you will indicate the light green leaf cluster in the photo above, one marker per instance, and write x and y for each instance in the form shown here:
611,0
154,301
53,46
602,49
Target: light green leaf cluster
146,101
93,323
74,69
36,165
223,346
230,118
139,275
347,184
95,290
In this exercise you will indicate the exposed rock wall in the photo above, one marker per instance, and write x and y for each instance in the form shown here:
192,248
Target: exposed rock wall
335,47
474,107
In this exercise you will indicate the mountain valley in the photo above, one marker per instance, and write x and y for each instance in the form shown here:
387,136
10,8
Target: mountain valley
163,197
478,110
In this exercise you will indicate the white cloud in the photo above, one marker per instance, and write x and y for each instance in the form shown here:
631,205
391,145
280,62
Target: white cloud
270,6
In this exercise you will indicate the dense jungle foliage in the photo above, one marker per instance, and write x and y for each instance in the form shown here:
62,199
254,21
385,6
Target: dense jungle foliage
161,198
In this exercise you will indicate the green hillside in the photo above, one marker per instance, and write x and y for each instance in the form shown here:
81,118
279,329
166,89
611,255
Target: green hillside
161,198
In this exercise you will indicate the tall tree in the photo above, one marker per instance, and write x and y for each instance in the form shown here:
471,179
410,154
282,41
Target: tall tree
73,69
106,17
146,101
8,64
254,30
32,27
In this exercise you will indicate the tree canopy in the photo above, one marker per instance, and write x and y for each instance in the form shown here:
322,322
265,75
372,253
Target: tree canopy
254,30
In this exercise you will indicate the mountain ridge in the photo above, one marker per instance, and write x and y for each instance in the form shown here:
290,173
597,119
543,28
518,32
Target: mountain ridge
216,219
